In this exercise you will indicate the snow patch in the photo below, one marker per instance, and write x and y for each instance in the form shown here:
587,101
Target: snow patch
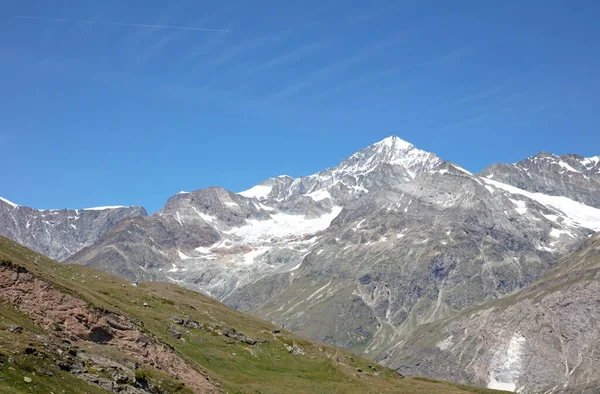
556,233
250,257
283,225
521,206
506,365
319,195
445,344
258,191
590,161
182,255
105,208
566,166
461,169
12,204
581,214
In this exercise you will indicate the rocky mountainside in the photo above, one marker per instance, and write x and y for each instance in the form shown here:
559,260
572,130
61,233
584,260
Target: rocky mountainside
571,176
542,339
72,329
363,254
59,233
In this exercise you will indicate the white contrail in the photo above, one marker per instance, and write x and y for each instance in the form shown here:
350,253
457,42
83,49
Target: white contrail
120,24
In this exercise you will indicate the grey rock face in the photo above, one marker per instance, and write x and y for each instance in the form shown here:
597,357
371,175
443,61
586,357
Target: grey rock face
366,254
571,176
541,339
59,233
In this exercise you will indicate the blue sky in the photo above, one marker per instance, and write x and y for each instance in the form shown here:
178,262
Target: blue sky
116,114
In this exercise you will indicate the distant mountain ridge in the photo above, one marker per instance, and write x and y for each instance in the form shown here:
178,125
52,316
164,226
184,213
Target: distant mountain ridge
59,233
364,254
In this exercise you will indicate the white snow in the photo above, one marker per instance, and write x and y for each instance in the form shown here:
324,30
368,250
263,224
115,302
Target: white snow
553,218
182,192
183,256
489,189
590,161
258,191
445,344
178,218
461,169
319,195
231,204
556,233
205,217
264,207
105,208
358,225
382,239
252,255
295,268
566,166
317,292
282,225
12,204
521,206
506,366
391,150
389,142
580,214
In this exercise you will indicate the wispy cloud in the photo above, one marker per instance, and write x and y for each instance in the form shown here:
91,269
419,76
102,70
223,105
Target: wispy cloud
142,56
333,68
247,45
453,55
287,57
477,96
463,123
121,24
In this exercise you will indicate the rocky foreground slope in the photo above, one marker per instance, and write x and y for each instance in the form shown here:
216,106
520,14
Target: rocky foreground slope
71,329
59,233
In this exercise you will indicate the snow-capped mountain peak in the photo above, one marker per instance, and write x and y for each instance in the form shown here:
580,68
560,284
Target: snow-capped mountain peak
389,162
393,151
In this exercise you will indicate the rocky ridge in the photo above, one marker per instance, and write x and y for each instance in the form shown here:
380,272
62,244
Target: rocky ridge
59,233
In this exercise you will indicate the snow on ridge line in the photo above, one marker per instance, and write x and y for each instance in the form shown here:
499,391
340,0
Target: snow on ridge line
105,208
461,169
257,191
583,215
12,204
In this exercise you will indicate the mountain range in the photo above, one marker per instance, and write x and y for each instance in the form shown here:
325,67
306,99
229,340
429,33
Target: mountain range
395,254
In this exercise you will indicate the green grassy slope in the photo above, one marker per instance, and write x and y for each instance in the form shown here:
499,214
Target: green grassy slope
278,362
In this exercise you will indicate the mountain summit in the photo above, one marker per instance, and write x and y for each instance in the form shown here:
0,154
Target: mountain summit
368,253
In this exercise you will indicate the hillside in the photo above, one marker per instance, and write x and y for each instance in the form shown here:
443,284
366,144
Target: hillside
73,329
541,339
